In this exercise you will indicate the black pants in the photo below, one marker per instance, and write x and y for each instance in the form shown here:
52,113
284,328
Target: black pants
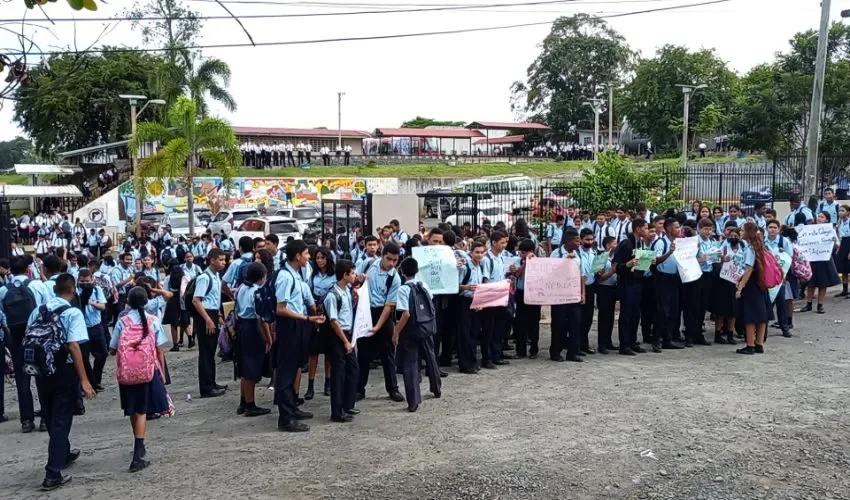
667,311
630,300
469,331
338,154
447,320
526,325
344,373
289,159
691,308
347,158
97,347
206,350
378,345
606,298
58,396
22,380
409,350
3,392
566,330
290,358
647,310
326,160
300,158
492,331
587,315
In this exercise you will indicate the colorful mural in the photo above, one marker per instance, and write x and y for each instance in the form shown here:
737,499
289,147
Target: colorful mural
246,192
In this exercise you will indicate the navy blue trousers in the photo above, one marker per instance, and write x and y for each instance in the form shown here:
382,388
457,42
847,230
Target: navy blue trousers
58,396
630,300
409,350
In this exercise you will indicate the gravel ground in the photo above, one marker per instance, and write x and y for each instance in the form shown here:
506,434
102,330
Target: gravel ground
720,426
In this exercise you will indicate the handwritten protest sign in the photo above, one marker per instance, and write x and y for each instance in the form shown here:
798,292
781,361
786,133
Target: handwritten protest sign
493,294
686,258
644,258
733,270
551,281
816,241
784,261
437,268
362,315
599,262
712,253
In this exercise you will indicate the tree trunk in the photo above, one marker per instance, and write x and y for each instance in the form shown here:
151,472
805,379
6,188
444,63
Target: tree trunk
190,195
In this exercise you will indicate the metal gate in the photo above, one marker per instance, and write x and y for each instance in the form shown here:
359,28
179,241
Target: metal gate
454,208
341,216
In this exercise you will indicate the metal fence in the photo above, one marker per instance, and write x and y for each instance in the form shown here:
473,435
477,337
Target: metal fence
833,172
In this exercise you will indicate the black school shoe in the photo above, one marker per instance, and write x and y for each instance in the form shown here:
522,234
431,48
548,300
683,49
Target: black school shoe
137,465
51,484
747,350
256,411
294,426
73,455
759,349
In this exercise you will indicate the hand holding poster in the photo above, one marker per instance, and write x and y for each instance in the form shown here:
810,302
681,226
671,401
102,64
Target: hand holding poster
599,262
493,294
437,268
686,258
362,314
551,281
644,258
733,270
816,241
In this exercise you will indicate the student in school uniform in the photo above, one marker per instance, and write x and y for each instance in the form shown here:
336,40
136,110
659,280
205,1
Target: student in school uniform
527,323
322,280
175,315
470,276
384,283
253,338
587,253
92,303
824,274
829,205
206,303
566,318
723,302
753,299
842,257
779,244
667,293
800,214
143,399
338,305
293,324
494,318
629,284
554,233
4,333
412,338
58,393
606,299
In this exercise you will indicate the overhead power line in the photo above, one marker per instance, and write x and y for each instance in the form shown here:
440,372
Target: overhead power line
366,38
349,5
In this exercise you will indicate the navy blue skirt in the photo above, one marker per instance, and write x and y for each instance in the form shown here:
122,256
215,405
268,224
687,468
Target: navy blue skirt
754,304
842,264
145,398
250,350
824,275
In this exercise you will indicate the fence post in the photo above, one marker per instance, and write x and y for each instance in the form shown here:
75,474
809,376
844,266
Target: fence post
773,183
666,181
720,188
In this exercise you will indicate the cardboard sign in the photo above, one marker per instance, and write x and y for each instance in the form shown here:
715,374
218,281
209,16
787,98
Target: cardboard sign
686,258
493,294
816,241
552,281
437,268
362,314
644,258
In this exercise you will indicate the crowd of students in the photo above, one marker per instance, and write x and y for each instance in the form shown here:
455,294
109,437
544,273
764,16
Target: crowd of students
295,302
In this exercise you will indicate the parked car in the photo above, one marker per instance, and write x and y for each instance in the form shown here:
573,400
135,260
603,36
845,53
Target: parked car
765,193
283,227
305,216
226,220
204,215
180,225
150,221
491,213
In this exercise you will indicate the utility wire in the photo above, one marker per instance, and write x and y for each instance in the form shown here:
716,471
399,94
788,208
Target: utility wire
364,38
348,5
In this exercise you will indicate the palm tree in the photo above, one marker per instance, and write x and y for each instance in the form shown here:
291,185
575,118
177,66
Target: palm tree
187,139
188,73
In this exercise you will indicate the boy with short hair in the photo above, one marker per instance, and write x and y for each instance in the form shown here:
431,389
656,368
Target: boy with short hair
339,308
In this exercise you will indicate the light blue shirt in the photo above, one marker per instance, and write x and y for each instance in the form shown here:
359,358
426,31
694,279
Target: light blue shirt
739,221
225,245
155,306
560,253
200,249
107,269
321,284
379,296
720,226
71,319
344,315
152,273
774,244
404,295
476,277
749,257
35,286
707,247
91,314
761,222
830,208
278,258
287,292
495,267
586,263
612,281
802,209
208,280
119,274
49,285
554,233
661,247
93,240
191,272
74,271
309,301
728,250
154,326
231,276
245,301
3,326
844,228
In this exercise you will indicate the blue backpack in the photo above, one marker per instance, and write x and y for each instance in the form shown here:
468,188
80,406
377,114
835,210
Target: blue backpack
43,346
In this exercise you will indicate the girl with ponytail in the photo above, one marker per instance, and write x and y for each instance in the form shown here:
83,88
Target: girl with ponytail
754,309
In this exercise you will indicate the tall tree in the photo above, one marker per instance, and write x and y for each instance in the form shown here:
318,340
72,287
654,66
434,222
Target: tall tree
579,58
422,122
72,103
187,139
209,77
15,151
653,103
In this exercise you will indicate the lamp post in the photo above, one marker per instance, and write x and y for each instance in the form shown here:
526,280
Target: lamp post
134,101
596,104
687,91
339,118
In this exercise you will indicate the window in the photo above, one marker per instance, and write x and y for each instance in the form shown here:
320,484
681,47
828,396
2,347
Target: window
252,225
282,227
305,213
492,211
220,217
245,215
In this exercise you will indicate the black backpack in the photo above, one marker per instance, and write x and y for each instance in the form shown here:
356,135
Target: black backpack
18,303
167,255
423,316
189,295
43,347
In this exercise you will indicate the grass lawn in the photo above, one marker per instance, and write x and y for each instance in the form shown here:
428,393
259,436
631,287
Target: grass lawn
18,179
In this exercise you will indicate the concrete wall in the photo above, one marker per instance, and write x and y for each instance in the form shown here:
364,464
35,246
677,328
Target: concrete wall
404,207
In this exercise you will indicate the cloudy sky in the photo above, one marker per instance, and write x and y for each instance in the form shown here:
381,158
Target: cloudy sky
452,77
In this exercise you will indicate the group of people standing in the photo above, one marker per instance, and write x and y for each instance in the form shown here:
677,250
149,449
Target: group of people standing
262,155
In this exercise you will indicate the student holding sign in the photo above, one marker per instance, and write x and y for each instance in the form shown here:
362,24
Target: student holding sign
629,283
824,274
471,275
527,324
723,303
667,289
566,318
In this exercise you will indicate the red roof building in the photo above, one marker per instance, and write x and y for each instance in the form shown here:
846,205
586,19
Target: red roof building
437,133
507,126
508,139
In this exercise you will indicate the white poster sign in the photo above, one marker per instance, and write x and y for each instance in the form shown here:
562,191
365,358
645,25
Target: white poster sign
686,258
816,241
362,315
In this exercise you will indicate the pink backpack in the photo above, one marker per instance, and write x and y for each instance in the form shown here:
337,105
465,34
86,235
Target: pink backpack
136,357
772,271
800,266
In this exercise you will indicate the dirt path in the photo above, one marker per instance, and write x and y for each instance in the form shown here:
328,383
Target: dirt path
721,426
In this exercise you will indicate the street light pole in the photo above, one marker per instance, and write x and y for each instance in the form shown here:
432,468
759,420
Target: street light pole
134,101
339,118
687,91
596,104
611,115
810,179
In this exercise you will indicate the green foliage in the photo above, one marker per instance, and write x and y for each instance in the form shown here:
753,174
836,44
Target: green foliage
580,56
71,101
75,4
653,102
422,122
18,150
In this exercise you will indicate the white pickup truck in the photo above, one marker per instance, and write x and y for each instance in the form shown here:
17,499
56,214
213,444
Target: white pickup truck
255,227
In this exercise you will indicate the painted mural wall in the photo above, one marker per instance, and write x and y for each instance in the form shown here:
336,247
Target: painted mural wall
246,192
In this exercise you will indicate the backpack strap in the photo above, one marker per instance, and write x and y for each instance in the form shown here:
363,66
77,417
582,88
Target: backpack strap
467,275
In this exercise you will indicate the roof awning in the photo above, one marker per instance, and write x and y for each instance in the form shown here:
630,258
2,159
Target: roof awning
507,126
508,139
17,191
93,149
47,169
